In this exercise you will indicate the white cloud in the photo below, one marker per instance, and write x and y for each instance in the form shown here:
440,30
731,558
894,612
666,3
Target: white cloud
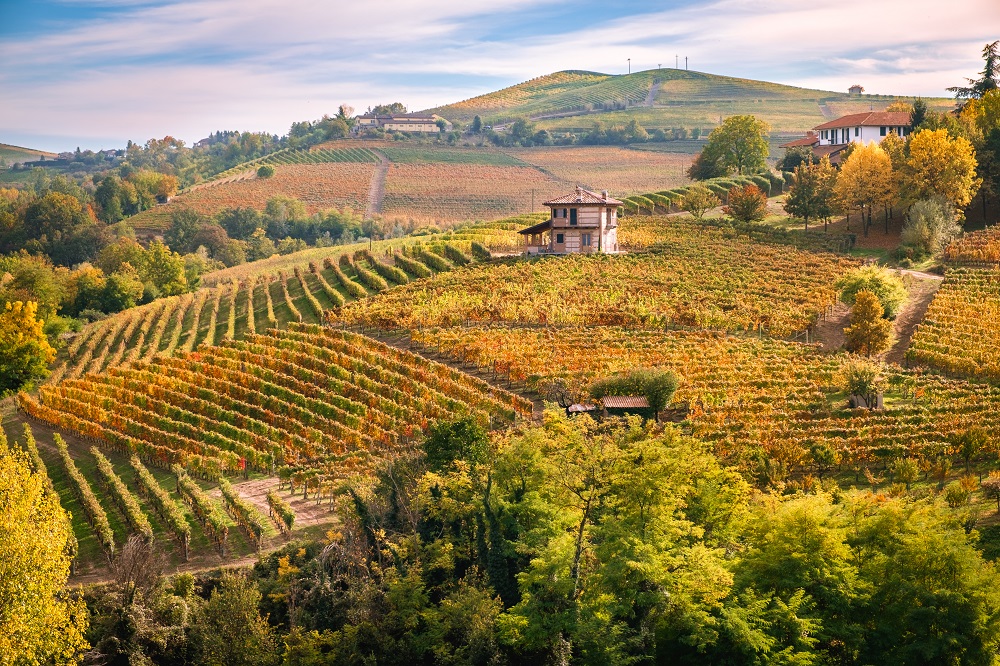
194,66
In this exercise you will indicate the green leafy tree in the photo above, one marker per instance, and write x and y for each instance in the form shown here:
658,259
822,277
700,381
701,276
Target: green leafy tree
40,622
460,440
240,223
883,282
25,352
163,269
988,79
740,144
930,225
184,224
265,171
231,631
746,204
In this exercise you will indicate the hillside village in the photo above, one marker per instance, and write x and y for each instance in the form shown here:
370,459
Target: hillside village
656,367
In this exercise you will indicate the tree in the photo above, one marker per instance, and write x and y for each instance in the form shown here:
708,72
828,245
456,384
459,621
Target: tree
883,282
477,125
240,223
796,156
265,171
906,470
25,352
698,200
918,113
930,225
40,623
982,116
231,630
459,440
707,164
740,144
864,378
163,269
970,443
869,333
988,79
866,181
940,166
807,196
746,204
184,224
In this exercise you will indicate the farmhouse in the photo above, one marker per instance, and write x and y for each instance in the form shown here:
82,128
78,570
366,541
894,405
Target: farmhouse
580,222
832,137
401,122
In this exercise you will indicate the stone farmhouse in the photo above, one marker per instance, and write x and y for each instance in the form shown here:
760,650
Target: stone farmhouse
832,137
401,122
581,222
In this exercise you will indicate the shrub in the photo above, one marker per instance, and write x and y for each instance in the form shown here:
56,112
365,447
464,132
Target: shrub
864,378
266,171
762,182
881,281
698,201
931,224
746,204
657,386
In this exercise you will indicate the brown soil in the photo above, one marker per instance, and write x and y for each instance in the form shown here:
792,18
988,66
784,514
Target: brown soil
922,287
829,332
376,192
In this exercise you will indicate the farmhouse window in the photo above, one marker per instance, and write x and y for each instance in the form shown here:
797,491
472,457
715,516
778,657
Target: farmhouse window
572,216
585,240
857,131
560,238
881,131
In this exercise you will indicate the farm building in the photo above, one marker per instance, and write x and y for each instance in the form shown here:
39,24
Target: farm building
830,138
856,89
401,122
580,222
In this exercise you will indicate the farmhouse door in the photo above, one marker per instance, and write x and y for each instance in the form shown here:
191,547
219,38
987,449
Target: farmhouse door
572,243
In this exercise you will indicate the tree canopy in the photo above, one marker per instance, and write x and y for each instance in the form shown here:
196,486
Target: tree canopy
738,145
25,352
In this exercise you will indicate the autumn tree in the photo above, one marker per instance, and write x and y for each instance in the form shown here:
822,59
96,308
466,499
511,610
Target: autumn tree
865,182
25,352
40,623
698,200
231,630
940,166
869,333
739,145
930,225
746,204
982,117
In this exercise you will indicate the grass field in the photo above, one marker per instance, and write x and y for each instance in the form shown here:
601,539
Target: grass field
12,154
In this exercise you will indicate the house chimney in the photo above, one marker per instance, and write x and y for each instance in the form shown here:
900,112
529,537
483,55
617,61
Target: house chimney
604,194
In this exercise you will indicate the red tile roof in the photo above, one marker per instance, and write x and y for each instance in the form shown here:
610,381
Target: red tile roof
585,197
537,228
624,402
869,119
808,140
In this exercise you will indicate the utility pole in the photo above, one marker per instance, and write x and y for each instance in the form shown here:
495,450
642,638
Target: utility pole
630,65
676,62
532,200
685,63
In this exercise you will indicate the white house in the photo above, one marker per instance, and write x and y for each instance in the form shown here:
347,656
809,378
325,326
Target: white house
401,122
830,138
581,222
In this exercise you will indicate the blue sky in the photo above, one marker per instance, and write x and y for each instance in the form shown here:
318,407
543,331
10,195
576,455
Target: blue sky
96,74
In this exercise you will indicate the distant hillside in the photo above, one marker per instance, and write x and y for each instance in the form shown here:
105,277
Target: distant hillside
660,98
12,154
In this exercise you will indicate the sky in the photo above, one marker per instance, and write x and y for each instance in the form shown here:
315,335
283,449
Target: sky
96,74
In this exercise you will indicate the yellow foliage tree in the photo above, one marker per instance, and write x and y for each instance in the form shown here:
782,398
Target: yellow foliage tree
866,182
869,333
25,352
39,622
941,166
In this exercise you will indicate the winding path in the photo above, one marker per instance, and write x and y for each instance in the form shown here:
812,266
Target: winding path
922,291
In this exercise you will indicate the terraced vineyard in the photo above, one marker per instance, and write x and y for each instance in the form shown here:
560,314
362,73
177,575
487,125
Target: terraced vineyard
307,396
742,395
764,288
238,304
961,329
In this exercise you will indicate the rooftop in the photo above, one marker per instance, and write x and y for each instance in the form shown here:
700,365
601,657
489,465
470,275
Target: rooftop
869,119
582,196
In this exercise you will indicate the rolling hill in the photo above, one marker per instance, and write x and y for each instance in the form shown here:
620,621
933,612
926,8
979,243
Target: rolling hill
13,154
659,98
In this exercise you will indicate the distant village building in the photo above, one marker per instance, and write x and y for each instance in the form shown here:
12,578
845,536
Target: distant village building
856,89
401,122
830,138
580,222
